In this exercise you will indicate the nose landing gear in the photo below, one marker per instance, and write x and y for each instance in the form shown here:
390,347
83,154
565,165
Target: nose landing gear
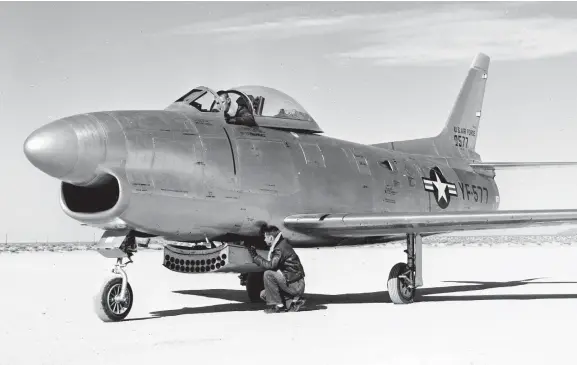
114,300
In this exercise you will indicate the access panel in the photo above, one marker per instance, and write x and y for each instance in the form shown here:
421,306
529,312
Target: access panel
265,167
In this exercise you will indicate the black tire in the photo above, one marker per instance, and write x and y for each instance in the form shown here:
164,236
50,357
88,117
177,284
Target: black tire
104,305
254,285
399,292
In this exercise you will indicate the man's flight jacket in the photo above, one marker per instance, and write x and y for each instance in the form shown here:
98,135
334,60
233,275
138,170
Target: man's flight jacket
285,259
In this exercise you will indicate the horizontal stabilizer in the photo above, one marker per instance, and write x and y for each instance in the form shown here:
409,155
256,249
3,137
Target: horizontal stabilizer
518,165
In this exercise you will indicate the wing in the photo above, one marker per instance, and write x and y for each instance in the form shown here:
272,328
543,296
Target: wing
377,224
518,165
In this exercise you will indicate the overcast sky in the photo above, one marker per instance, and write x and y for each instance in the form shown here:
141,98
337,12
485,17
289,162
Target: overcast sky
367,72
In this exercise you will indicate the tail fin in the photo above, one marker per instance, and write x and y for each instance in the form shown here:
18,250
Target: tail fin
462,127
459,137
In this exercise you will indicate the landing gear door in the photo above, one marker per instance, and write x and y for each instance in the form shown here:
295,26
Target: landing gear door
110,242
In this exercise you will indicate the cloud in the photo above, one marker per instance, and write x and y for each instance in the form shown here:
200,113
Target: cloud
446,36
411,36
293,26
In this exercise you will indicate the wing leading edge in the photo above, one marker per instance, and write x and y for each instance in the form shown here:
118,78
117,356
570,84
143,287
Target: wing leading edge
340,225
518,165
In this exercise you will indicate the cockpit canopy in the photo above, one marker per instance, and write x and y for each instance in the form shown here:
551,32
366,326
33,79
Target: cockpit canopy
270,107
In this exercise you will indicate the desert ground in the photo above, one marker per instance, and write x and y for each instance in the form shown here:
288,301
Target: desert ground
482,303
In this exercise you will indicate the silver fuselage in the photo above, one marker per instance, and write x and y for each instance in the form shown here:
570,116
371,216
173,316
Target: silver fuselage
186,175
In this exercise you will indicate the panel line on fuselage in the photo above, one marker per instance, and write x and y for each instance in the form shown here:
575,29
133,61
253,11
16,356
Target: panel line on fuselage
231,150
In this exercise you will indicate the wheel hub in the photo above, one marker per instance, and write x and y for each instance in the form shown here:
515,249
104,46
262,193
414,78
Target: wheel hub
115,303
405,286
406,290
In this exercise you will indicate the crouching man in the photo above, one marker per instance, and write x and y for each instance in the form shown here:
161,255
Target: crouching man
284,278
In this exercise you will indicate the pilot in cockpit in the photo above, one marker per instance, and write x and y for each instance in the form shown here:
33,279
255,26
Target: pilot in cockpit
243,115
225,103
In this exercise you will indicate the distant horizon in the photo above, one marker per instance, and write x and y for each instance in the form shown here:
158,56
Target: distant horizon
435,237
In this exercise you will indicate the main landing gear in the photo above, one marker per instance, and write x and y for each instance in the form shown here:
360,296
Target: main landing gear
254,283
114,300
405,278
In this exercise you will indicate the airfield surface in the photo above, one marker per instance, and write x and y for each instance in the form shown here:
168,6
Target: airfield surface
480,305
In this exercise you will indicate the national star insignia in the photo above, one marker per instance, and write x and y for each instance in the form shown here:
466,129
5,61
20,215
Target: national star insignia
442,189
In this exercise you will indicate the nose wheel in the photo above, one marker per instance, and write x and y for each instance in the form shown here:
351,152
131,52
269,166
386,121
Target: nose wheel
110,304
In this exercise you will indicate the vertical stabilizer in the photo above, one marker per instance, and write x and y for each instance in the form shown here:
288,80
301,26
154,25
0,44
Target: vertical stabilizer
459,136
462,128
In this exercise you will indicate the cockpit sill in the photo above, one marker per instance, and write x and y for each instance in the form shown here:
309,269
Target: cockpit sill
269,107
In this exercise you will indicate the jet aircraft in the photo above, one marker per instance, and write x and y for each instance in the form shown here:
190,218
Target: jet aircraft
188,176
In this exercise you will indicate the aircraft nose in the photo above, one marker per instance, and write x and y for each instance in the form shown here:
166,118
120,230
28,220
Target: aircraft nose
53,148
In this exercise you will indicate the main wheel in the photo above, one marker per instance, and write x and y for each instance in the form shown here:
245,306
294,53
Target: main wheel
107,304
254,285
398,287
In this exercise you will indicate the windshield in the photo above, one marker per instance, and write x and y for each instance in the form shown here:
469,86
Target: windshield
202,99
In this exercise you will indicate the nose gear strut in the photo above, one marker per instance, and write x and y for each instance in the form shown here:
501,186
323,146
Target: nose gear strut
114,300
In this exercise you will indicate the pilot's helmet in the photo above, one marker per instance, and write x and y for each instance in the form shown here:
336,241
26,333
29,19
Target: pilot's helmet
242,101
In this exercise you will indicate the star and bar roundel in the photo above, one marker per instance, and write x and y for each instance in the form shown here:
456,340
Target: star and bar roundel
440,187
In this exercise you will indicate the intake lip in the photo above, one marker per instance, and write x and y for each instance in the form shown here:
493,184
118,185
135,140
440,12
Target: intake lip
115,200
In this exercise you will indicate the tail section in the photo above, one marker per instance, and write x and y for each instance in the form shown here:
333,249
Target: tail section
459,137
462,128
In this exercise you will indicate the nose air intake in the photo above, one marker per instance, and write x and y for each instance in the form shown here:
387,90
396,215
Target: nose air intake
53,149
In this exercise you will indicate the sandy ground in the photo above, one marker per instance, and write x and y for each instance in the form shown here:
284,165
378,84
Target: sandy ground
480,305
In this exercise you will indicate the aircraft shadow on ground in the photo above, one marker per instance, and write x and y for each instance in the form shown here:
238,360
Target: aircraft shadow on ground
318,301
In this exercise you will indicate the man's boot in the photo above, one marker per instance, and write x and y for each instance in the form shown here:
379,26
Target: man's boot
296,304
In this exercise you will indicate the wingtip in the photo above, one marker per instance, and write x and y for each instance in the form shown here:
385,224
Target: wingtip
481,61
